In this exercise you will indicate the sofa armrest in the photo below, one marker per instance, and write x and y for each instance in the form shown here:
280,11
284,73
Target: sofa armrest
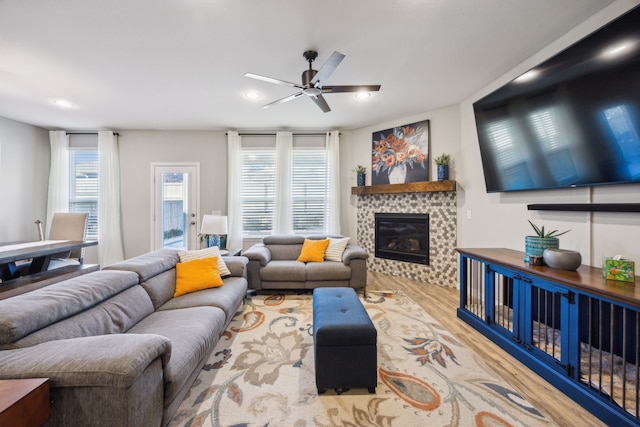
258,252
237,265
114,360
353,252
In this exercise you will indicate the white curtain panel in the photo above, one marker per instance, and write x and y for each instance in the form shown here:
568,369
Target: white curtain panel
58,197
282,209
234,201
109,211
333,166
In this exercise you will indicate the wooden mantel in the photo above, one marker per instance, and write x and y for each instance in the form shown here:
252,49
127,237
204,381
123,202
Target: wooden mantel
412,187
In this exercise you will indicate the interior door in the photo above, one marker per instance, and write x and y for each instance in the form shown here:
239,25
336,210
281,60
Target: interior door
175,210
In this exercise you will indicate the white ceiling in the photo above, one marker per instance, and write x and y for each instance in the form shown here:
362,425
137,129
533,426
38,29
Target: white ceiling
179,64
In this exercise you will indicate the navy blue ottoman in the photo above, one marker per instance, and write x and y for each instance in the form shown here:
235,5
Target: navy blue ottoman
344,341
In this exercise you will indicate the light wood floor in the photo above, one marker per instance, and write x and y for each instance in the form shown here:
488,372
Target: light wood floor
441,303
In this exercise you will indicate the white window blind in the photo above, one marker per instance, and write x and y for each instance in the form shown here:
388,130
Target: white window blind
310,204
309,188
83,186
258,190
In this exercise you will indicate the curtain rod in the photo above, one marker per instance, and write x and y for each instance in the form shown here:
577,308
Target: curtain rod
273,134
88,133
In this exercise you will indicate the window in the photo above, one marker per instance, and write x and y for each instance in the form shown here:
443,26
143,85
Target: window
258,190
309,186
84,186
309,189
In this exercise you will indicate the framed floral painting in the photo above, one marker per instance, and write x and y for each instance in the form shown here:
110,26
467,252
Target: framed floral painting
401,154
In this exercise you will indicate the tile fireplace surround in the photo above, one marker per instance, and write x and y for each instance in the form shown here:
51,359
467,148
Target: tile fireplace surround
441,207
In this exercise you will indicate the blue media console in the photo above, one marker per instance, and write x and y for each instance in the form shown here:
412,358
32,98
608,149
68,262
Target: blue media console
575,329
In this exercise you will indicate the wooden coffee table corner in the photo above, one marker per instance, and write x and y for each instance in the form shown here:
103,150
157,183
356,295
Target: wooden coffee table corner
24,402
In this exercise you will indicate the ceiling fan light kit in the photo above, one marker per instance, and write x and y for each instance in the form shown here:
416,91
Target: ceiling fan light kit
313,82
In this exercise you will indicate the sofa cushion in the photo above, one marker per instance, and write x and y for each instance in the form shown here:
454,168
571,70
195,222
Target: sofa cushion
115,360
329,270
193,333
161,287
227,298
313,250
237,265
148,265
284,270
283,239
116,315
197,274
206,253
23,314
284,247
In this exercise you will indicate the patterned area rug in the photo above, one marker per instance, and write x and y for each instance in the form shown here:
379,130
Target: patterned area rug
262,374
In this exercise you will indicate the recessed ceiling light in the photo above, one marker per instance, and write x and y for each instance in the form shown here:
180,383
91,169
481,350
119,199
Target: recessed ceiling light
363,95
63,103
252,94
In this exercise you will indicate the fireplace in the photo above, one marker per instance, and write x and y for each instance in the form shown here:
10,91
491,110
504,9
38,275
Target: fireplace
402,237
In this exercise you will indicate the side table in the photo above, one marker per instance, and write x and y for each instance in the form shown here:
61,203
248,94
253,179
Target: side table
230,252
24,402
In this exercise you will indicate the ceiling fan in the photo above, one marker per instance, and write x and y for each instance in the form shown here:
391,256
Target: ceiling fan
313,82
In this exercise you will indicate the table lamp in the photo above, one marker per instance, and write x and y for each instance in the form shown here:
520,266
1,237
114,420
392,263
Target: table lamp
214,230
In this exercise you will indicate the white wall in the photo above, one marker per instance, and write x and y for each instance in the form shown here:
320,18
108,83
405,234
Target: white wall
497,220
444,130
138,149
500,219
24,178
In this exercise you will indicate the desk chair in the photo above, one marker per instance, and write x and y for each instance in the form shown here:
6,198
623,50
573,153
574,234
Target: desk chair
64,226
68,226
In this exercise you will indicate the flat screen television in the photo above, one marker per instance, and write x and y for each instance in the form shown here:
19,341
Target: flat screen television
572,121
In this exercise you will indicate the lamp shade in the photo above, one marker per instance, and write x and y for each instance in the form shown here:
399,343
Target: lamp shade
214,224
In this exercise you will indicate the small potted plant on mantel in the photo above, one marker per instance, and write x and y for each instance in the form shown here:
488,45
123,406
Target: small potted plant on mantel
361,172
535,245
442,162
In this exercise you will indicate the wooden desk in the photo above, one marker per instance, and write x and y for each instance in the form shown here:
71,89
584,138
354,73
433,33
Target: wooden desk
39,252
24,402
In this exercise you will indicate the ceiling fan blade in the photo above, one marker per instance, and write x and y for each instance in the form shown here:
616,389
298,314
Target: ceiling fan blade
354,88
327,69
285,99
272,80
320,102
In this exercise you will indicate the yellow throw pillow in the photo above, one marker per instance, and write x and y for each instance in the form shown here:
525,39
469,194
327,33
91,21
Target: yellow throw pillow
206,253
196,275
313,250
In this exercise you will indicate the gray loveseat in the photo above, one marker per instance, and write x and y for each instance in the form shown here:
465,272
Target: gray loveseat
118,348
273,265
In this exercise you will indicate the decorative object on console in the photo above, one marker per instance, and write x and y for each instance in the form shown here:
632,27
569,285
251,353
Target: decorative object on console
400,154
616,268
361,172
562,259
535,245
536,260
443,166
214,230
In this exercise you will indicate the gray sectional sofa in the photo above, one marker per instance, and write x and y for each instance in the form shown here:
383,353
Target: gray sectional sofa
273,265
118,348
